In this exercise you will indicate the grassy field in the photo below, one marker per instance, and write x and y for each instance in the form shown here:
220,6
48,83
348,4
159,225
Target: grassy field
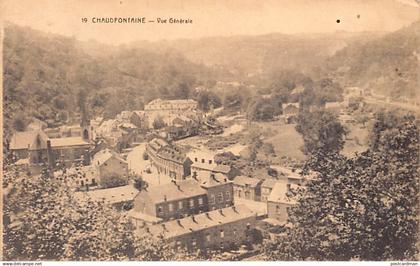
286,141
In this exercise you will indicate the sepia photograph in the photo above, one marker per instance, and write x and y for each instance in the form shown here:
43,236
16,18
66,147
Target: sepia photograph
236,130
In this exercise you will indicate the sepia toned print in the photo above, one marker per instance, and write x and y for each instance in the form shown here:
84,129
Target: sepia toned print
193,130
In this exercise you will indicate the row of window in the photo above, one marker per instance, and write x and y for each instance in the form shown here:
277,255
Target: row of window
220,197
208,237
203,160
180,205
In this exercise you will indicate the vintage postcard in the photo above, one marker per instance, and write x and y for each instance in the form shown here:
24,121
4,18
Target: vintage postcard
237,130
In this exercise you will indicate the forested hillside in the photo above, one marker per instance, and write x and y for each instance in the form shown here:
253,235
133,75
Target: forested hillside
388,65
252,55
43,74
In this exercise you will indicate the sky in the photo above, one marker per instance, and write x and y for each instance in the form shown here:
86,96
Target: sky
210,17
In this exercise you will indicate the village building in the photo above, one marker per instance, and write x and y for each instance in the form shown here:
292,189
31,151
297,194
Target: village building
177,114
292,176
179,199
168,159
181,127
36,124
204,160
119,197
219,189
247,188
280,201
109,164
266,188
290,112
170,201
219,229
137,118
118,135
37,148
171,105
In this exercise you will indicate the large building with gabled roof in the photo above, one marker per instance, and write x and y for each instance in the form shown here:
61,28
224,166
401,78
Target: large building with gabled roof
179,199
169,159
218,229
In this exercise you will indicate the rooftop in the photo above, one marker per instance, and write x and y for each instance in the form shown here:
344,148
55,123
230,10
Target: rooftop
173,191
104,155
279,193
211,180
70,141
244,181
198,222
172,153
109,195
269,183
35,139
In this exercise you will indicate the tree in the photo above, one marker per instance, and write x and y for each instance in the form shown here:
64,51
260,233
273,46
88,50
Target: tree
19,122
44,221
362,208
262,110
158,123
139,183
110,181
207,100
320,130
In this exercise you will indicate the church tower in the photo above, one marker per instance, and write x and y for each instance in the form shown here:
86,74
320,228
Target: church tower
85,125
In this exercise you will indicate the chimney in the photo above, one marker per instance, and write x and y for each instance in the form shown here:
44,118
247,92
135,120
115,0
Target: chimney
234,208
179,223
50,155
221,211
179,187
213,176
193,219
164,227
208,215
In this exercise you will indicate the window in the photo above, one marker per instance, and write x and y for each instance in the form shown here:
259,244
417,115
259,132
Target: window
194,242
208,238
220,197
202,160
171,207
222,234
212,199
191,203
159,209
195,159
180,205
227,195
200,201
234,232
210,161
277,209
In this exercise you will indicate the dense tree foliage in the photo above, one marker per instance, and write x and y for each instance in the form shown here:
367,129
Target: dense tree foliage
43,74
44,221
320,130
362,208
